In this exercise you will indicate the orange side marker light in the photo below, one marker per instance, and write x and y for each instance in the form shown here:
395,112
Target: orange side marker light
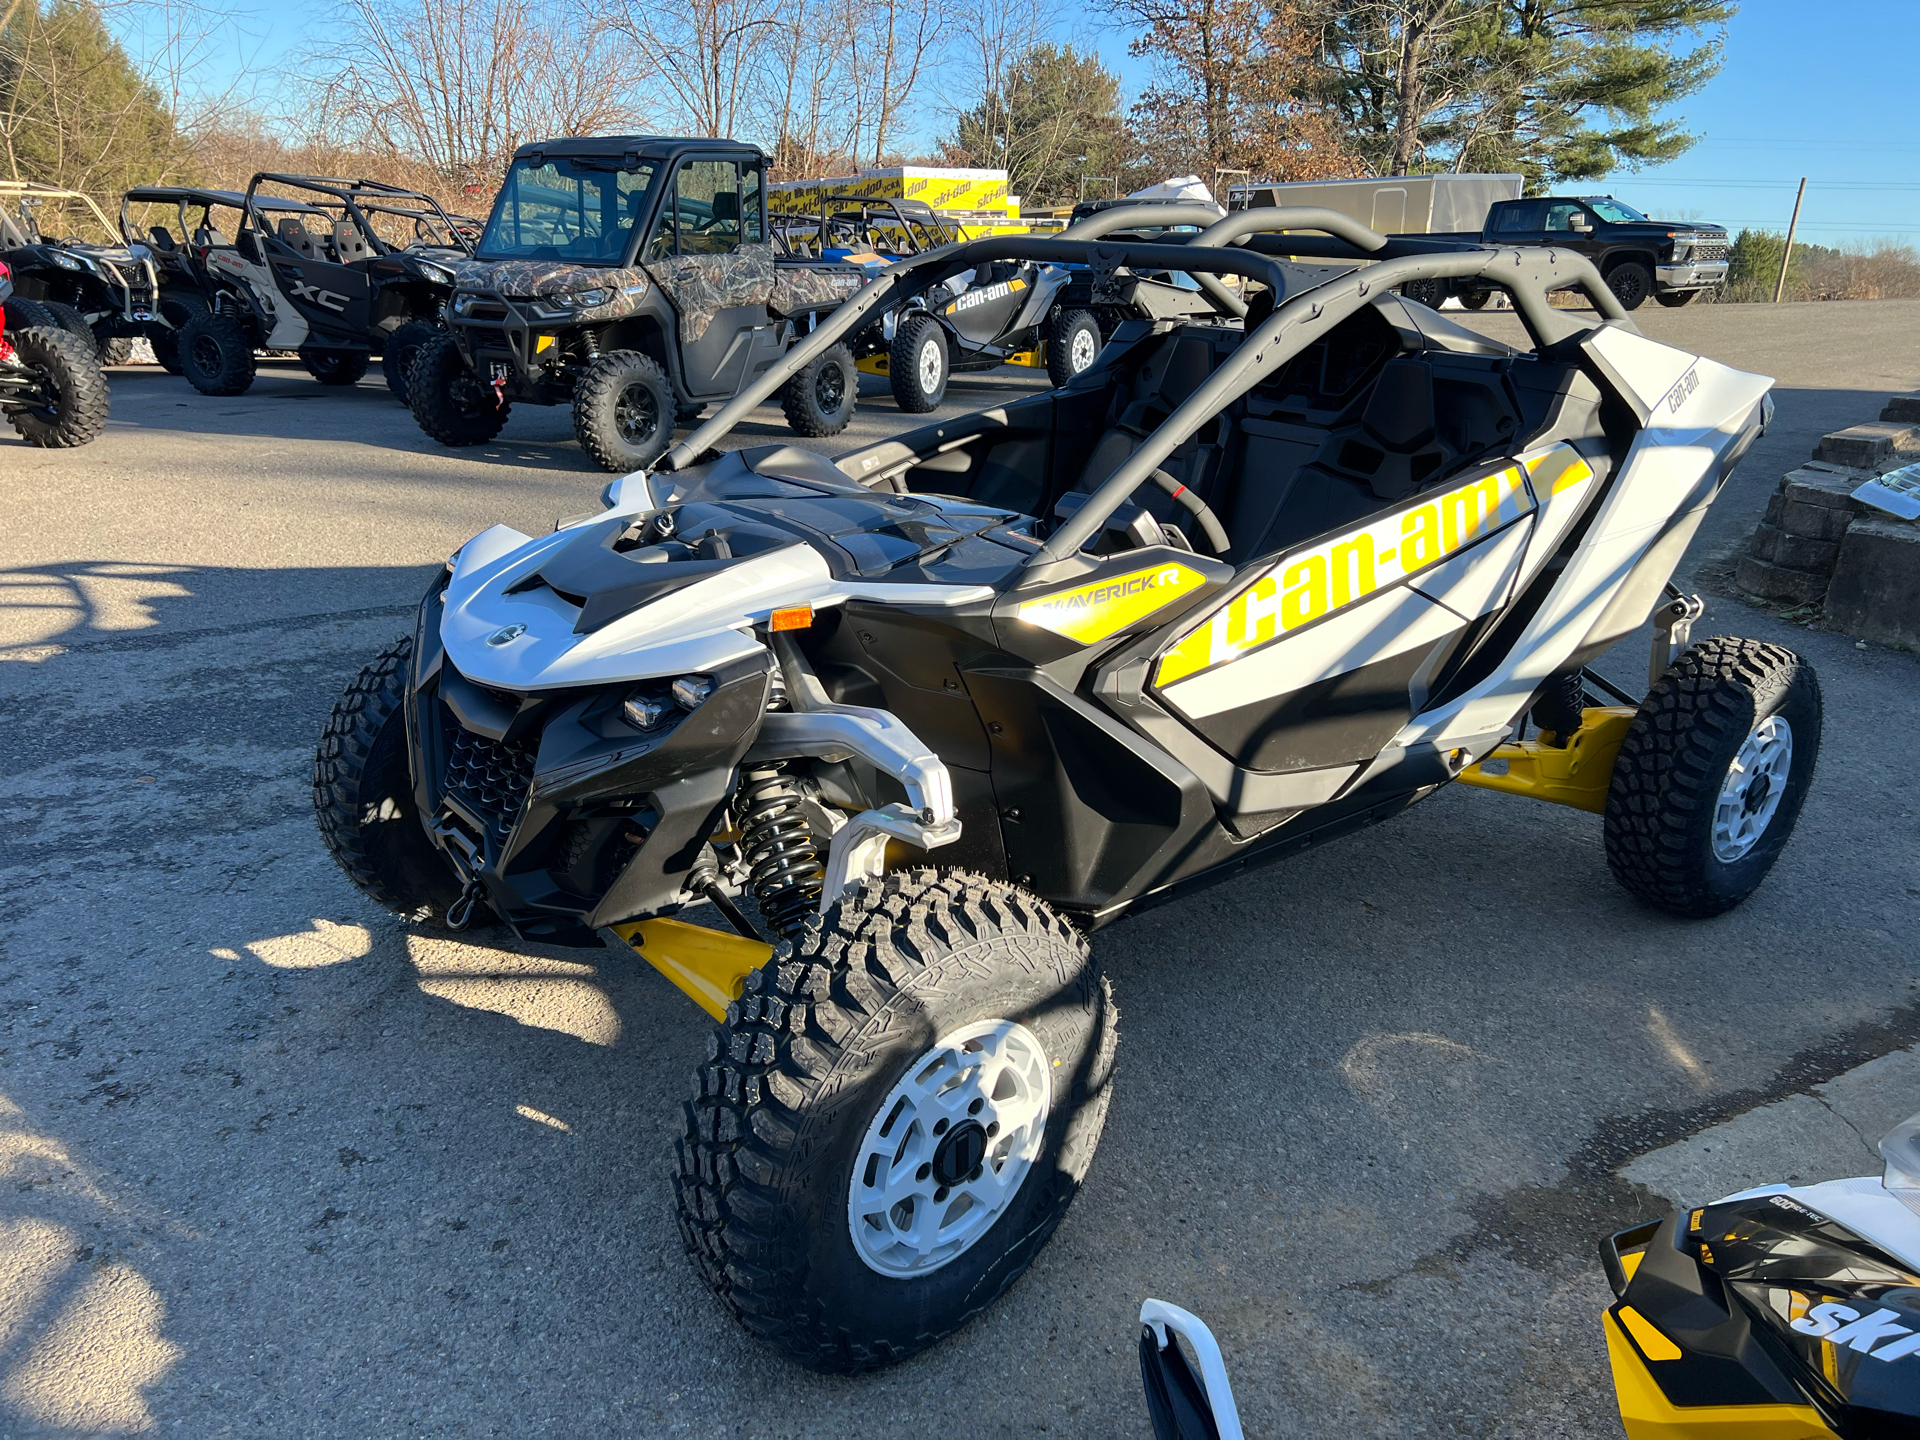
792,617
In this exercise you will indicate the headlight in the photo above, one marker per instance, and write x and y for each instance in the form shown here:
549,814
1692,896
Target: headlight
439,274
65,261
691,691
587,299
645,712
560,307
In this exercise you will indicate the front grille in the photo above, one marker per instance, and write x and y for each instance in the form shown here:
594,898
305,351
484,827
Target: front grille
490,777
1708,252
486,310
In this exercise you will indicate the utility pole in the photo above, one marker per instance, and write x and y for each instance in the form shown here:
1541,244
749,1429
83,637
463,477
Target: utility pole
1780,285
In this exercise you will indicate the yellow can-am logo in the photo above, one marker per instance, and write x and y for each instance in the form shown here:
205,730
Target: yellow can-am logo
1310,583
1106,607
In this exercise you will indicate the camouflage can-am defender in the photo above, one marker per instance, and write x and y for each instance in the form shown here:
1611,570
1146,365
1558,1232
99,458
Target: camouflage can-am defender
631,277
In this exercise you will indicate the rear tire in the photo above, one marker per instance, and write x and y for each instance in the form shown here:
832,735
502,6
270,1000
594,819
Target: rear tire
780,1162
1674,299
918,365
116,350
1073,344
623,411
819,400
397,355
1476,299
336,367
216,353
448,399
75,406
1431,293
1631,283
1712,774
363,794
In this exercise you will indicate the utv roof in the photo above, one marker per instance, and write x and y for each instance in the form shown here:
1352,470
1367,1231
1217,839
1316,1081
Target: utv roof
616,145
168,194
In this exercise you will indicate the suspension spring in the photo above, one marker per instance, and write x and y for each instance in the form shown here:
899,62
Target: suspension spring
783,864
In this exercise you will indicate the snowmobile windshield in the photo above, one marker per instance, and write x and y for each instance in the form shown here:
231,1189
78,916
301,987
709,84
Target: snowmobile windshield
567,207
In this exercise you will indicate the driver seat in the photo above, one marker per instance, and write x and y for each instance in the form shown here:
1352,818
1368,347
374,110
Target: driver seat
349,244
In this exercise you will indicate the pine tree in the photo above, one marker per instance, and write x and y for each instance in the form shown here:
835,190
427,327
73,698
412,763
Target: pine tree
1054,117
1554,89
74,110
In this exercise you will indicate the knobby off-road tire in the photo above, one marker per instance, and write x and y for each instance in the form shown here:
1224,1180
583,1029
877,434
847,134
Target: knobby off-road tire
216,353
1686,831
75,408
802,1069
919,365
25,314
623,411
177,309
448,400
73,322
397,355
1631,283
1073,344
363,794
116,350
336,367
819,400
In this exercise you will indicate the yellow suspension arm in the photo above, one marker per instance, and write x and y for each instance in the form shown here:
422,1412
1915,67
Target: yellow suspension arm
1575,774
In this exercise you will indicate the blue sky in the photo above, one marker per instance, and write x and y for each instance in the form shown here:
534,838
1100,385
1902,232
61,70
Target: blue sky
1813,89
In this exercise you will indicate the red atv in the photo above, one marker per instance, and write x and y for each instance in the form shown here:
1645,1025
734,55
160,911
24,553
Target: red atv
51,385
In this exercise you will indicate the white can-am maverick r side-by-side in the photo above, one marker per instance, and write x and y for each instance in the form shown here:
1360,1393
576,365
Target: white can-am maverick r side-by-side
946,705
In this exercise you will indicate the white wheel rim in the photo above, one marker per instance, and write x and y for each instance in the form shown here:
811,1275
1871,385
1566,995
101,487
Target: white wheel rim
1083,351
1751,795
931,359
908,1213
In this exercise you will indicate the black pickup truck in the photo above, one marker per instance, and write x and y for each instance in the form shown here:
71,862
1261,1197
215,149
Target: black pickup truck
1672,261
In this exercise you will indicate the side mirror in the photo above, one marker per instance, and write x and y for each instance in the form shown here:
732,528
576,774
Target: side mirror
1580,224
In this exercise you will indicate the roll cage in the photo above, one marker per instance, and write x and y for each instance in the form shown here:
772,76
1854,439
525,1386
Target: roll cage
359,200
1295,321
922,227
22,196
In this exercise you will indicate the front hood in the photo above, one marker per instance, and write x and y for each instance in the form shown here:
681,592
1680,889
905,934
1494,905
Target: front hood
530,279
624,596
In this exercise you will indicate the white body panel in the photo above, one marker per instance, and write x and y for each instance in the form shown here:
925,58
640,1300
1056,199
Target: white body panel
288,328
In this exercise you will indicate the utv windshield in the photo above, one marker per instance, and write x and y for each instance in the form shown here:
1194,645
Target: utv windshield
1613,212
578,208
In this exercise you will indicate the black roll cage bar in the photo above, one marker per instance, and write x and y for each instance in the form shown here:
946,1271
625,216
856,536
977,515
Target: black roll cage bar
908,220
379,195
1527,274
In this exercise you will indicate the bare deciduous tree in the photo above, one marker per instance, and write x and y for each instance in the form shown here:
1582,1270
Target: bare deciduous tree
708,53
459,84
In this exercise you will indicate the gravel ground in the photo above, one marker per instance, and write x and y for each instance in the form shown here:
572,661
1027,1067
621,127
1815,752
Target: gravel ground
275,1165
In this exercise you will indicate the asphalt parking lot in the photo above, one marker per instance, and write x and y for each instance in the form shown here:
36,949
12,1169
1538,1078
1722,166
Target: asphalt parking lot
270,1164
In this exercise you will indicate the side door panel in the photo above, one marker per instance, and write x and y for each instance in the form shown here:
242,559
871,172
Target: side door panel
1316,661
335,300
983,311
711,258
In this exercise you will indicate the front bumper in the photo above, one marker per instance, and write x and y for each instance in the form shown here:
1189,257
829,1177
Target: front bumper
1692,277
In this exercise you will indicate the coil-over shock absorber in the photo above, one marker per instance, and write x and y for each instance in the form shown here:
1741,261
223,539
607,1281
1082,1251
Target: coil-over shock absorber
783,863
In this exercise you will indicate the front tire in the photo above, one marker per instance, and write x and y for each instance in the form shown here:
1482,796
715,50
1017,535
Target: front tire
819,400
176,310
1631,283
336,367
1476,299
1073,344
216,353
69,319
918,365
363,794
73,404
1712,774
1674,299
448,399
846,1243
623,411
396,356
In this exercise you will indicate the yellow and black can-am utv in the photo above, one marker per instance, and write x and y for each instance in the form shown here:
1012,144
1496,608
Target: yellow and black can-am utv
943,706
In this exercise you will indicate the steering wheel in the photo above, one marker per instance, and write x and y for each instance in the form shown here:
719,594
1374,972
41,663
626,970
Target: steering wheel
1211,530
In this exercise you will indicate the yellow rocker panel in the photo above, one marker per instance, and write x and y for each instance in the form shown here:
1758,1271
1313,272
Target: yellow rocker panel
1576,774
711,966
